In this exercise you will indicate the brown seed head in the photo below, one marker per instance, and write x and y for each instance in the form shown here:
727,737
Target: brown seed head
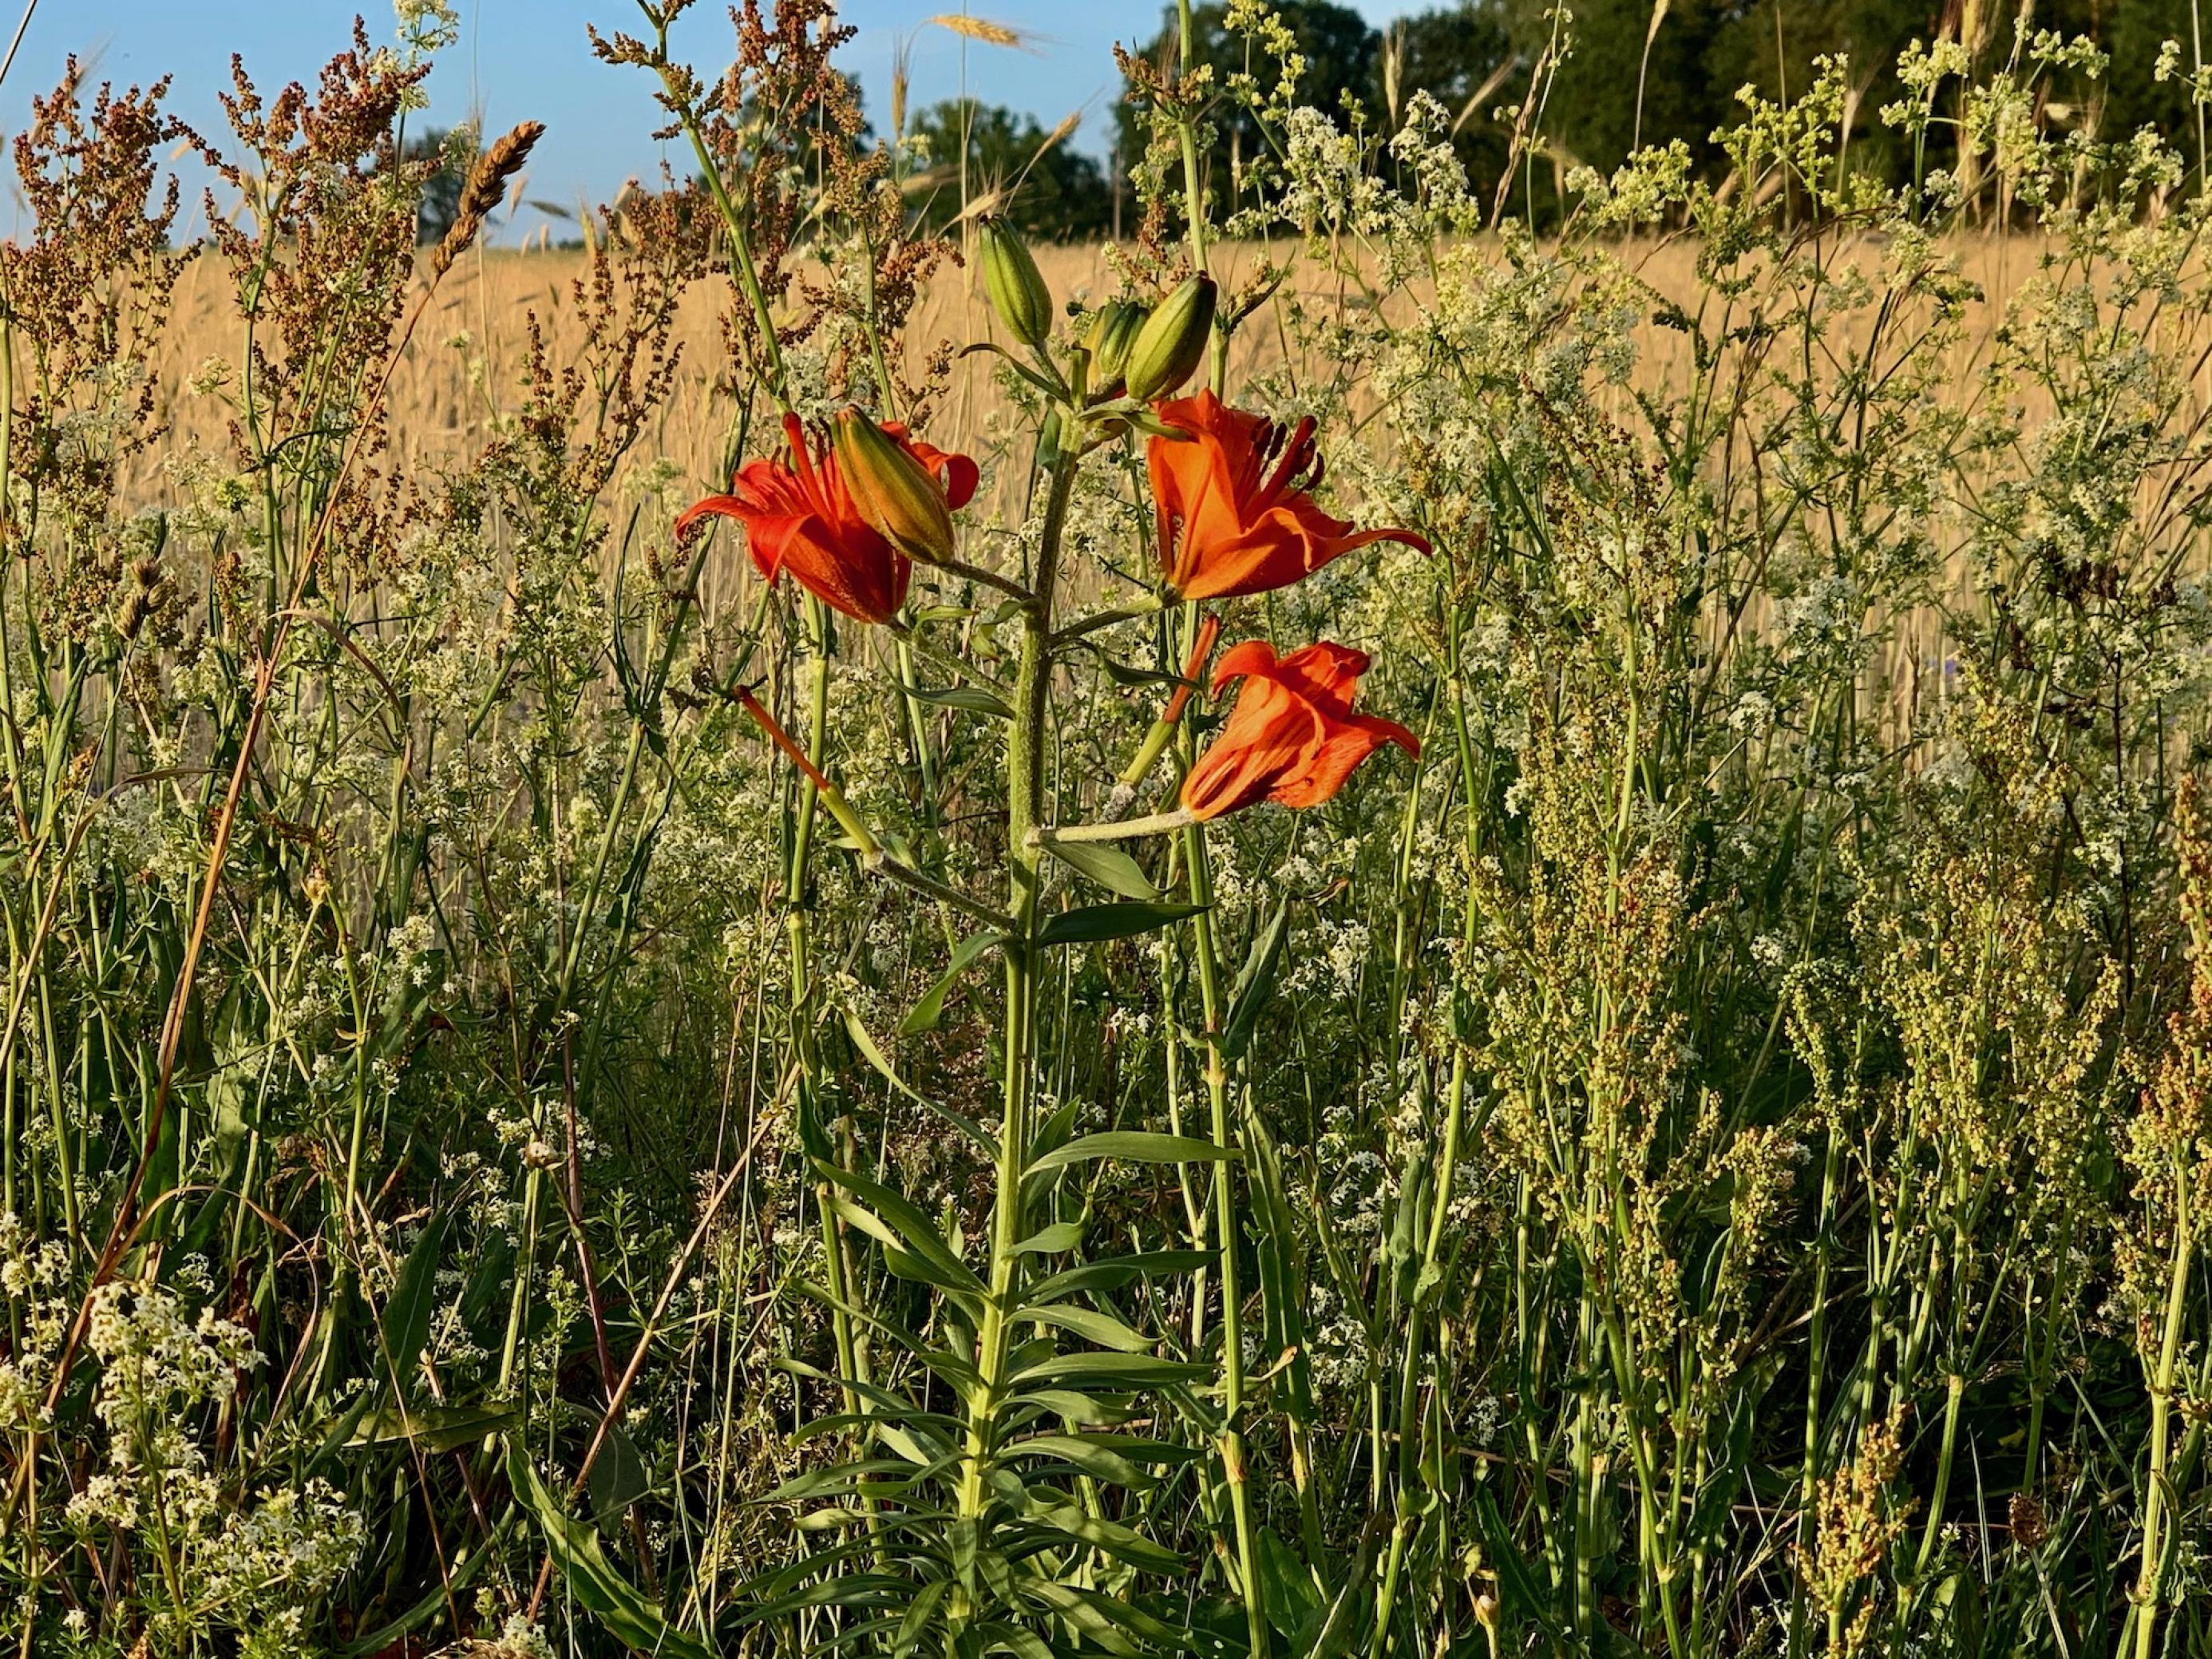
487,184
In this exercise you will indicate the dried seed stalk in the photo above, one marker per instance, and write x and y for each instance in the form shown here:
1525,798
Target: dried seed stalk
487,184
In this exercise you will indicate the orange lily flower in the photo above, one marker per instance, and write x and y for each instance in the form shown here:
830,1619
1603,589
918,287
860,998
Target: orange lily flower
1292,736
801,518
1236,513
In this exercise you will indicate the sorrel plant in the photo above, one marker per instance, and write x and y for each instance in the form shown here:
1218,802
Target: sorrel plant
1429,916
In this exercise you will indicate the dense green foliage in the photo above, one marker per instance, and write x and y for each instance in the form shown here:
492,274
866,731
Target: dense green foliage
1051,190
1615,78
558,1097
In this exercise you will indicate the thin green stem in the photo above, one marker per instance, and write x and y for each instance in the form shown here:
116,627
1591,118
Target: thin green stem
1024,780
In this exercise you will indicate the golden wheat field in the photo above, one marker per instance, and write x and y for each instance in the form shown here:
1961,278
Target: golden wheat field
462,370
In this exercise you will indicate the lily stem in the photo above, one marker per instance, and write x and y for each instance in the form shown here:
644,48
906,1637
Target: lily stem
1152,824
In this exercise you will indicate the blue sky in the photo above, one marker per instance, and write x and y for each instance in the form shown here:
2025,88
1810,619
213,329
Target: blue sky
520,59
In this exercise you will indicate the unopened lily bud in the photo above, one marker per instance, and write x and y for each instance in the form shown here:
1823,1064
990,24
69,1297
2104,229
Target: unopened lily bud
893,491
1172,341
1114,329
1015,284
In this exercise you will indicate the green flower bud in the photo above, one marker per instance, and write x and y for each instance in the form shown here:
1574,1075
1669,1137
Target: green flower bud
1016,286
894,492
1172,341
1112,330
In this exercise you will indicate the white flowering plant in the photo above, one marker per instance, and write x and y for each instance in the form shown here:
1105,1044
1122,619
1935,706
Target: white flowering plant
597,1061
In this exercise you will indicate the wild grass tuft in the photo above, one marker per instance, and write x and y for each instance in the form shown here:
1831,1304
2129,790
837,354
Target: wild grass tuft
572,1084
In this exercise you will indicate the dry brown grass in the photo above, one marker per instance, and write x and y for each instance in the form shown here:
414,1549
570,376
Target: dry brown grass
465,370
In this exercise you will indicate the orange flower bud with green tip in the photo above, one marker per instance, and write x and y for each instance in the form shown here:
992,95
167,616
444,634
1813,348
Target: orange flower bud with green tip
1172,341
898,497
1015,284
800,520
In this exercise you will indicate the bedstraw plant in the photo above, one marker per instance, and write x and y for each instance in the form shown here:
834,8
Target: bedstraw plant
1385,932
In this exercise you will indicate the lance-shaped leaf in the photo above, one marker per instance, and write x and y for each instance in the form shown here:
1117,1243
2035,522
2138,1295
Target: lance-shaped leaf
1134,1146
1124,1543
925,1014
1092,1326
405,1325
1095,923
876,1057
1113,1623
1097,1367
1109,866
895,1221
1116,1272
1052,1240
1255,984
969,699
432,1428
629,1616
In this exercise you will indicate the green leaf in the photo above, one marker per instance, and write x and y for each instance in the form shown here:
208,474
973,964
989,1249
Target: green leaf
1083,1451
1115,1539
1277,1247
1115,1271
972,698
1335,1636
1113,1624
1123,674
1097,922
388,1638
906,1264
1256,985
915,1624
1134,1146
1022,1644
1092,1326
925,1014
1072,1408
405,1326
1117,1457
1052,1240
348,1422
1057,1128
432,1428
1518,1593
859,1590
1096,1367
618,1477
902,1443
628,1615
847,1480
1109,866
919,1233
876,1057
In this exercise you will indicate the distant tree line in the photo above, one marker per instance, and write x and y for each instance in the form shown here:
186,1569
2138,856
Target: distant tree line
1041,183
1479,56
1620,83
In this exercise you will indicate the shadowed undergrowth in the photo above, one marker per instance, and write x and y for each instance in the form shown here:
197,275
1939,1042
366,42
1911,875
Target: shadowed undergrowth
563,1096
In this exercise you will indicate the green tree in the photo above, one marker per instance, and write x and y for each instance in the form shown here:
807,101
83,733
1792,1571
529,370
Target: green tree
1343,61
1622,83
439,205
1465,57
1050,190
